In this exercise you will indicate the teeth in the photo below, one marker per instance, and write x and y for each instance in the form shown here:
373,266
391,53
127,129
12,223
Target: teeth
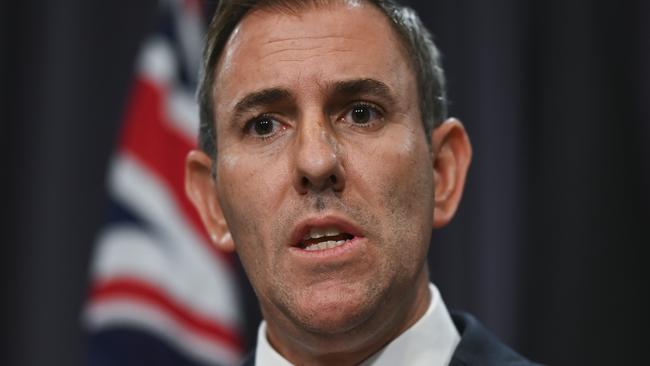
332,232
316,233
325,245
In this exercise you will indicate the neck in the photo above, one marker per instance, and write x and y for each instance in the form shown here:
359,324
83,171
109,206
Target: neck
353,346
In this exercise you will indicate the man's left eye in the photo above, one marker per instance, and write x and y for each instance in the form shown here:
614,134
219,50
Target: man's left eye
362,114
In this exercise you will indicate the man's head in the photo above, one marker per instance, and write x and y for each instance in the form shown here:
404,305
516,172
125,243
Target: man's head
326,183
422,54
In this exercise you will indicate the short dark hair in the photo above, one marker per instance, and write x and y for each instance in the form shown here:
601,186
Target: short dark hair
422,53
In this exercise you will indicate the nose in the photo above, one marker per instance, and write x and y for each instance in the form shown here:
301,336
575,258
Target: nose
318,160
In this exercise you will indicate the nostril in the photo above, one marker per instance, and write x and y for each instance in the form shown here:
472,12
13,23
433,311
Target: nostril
319,183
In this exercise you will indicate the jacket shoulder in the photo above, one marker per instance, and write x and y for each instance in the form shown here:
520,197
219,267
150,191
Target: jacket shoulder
480,347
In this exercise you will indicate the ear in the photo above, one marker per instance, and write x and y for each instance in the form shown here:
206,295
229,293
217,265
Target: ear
452,154
201,189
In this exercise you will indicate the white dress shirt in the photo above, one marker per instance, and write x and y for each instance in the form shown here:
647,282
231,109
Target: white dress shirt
431,341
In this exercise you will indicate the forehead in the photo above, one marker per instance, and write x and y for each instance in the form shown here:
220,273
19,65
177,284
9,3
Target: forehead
343,40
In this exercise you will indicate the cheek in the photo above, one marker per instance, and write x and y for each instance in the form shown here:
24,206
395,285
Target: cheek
239,196
395,172
397,182
249,192
248,187
240,212
410,194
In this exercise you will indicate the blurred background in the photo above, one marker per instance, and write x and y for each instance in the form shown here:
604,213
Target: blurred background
546,249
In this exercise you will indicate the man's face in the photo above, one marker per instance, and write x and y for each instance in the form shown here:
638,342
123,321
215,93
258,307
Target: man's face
319,133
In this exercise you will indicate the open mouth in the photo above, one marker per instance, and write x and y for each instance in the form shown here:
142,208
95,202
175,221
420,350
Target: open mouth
323,238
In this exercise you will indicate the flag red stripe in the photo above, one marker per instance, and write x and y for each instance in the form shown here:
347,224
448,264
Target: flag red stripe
192,6
153,141
134,289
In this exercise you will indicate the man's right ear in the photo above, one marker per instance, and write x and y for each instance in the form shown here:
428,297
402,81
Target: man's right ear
201,189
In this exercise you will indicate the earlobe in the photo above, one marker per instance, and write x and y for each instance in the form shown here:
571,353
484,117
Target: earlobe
201,190
452,154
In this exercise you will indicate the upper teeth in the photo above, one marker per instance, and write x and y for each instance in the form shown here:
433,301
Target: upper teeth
316,233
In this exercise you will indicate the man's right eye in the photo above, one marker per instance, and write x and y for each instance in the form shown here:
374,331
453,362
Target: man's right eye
262,127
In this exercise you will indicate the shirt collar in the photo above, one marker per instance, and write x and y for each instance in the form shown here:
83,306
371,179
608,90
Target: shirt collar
430,341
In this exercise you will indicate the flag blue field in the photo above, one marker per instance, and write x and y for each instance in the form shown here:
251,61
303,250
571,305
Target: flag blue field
160,293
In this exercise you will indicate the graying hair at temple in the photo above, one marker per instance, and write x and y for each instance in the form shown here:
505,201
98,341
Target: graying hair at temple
422,53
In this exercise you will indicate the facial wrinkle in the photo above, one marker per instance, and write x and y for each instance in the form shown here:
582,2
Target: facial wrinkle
304,43
341,37
305,58
292,49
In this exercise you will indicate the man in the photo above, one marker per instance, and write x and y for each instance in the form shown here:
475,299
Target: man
325,162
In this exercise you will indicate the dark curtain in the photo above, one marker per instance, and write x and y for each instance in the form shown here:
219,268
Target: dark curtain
545,249
69,64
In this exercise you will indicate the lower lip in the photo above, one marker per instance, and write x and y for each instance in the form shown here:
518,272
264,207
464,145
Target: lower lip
346,248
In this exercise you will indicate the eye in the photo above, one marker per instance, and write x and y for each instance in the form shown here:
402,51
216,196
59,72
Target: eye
262,127
362,114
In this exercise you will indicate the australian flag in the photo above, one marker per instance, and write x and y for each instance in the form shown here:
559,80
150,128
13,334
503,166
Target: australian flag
160,293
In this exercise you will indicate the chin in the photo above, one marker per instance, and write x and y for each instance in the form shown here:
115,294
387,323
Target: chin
334,313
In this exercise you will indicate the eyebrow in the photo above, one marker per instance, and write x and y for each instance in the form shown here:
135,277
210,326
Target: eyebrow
356,87
261,98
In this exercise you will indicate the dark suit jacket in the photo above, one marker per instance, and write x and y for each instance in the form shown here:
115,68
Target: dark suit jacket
477,347
480,347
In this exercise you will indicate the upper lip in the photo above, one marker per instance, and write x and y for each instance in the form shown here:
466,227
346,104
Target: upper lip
304,227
